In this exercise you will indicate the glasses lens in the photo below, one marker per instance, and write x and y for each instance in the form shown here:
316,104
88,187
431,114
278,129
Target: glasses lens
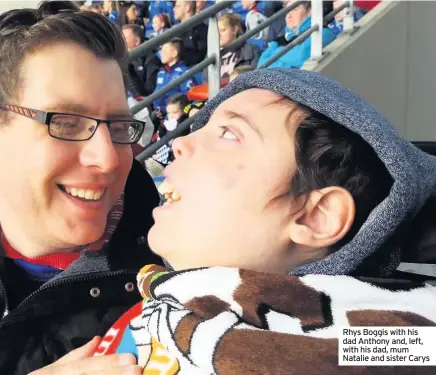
126,132
70,127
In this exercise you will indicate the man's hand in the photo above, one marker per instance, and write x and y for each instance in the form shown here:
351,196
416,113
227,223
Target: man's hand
81,362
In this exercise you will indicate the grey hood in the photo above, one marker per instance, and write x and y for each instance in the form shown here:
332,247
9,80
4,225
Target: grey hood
413,171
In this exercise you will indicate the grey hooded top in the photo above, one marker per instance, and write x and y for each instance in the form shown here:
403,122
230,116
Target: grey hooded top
413,171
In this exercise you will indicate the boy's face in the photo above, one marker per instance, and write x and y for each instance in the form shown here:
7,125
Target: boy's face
168,53
174,111
233,176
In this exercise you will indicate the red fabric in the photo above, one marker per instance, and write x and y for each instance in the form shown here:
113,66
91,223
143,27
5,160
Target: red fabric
63,260
110,342
368,5
59,261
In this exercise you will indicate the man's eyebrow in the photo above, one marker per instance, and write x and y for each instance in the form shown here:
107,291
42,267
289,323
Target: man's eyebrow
232,114
81,109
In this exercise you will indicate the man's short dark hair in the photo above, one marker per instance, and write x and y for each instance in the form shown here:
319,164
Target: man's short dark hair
137,30
23,31
329,154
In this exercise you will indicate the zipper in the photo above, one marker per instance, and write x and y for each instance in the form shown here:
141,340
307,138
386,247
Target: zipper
66,281
3,288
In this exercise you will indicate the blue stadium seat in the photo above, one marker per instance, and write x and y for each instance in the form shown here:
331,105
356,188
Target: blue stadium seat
199,78
258,42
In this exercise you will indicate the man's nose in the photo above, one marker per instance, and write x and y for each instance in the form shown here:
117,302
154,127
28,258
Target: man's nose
100,152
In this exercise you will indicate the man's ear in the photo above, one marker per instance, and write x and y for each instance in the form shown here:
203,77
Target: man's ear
325,219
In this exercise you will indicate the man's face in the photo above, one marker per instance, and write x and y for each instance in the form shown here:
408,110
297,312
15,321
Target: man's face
233,176
168,53
132,41
174,111
179,10
200,5
36,214
295,17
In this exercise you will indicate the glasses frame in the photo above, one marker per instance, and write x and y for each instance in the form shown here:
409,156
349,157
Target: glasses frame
45,119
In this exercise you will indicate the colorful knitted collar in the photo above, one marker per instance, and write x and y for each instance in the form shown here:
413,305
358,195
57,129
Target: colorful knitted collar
43,268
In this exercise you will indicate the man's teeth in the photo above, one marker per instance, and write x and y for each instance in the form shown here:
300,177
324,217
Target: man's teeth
168,191
88,194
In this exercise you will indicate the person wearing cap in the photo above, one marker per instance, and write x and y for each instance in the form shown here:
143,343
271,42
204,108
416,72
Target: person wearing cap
285,212
75,208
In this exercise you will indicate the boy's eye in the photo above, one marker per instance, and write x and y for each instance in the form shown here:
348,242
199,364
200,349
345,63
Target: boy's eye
228,134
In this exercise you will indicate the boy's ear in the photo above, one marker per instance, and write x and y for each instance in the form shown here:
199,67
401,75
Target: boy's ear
324,220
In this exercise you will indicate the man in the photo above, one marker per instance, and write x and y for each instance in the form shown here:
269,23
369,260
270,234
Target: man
143,71
195,39
75,208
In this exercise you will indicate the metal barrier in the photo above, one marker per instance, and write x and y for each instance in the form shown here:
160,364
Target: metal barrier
212,61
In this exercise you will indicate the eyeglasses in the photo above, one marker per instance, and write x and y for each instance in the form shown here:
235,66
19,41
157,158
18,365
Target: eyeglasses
70,127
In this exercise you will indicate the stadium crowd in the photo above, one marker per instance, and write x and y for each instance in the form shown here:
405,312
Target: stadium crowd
142,20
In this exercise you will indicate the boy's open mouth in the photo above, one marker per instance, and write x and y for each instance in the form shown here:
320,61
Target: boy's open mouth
169,193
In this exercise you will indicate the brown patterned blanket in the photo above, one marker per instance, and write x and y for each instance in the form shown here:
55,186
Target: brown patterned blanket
233,322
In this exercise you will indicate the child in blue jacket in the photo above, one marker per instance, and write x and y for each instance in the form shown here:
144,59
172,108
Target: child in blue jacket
173,68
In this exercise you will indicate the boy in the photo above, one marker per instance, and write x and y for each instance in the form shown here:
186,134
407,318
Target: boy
173,68
175,116
254,18
291,185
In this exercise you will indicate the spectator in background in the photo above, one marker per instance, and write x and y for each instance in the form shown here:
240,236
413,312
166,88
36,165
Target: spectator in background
132,16
194,39
337,25
202,4
240,70
175,116
254,18
156,7
229,26
173,68
143,71
112,11
161,22
298,20
96,8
